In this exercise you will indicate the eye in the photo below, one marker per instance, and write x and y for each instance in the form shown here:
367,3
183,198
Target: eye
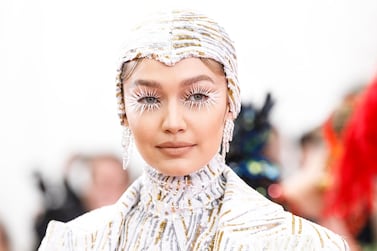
197,97
144,99
148,100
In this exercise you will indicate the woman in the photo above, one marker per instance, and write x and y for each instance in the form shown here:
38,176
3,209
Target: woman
178,96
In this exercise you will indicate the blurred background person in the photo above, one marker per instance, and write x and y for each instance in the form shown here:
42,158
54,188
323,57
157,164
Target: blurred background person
89,182
108,181
308,142
5,244
303,191
254,153
335,183
351,200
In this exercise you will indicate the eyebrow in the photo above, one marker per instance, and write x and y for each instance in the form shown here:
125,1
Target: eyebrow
185,82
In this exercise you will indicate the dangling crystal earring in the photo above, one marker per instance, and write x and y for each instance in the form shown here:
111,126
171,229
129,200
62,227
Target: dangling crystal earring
227,137
127,144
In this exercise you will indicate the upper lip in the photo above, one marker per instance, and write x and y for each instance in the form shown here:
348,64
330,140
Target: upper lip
174,144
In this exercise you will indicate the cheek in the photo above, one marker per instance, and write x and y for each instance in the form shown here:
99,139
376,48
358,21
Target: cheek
146,132
143,130
210,125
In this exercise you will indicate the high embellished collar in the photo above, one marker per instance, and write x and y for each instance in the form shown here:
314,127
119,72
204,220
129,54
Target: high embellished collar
164,194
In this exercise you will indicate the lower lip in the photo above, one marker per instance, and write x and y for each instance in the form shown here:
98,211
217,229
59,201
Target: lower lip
175,151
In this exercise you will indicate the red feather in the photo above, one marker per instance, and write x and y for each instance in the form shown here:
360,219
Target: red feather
351,196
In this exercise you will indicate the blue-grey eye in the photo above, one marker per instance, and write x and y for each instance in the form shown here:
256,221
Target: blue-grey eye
149,100
197,97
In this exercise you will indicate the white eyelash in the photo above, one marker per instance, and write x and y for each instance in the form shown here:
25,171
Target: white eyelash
212,97
133,101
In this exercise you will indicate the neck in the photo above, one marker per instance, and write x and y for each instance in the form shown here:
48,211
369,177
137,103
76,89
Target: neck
180,193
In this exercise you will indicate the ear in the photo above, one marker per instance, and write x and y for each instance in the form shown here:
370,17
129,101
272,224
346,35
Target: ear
229,114
124,120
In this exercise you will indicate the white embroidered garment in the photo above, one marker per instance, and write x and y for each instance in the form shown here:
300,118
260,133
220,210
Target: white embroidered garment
212,209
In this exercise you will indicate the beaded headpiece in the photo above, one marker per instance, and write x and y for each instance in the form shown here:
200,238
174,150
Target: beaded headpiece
172,36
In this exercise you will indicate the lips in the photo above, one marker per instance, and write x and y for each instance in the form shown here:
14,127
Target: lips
175,149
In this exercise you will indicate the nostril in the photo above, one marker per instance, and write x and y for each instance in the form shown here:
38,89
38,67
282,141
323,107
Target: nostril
174,123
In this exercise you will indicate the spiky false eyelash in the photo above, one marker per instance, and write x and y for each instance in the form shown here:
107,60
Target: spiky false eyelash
211,97
133,101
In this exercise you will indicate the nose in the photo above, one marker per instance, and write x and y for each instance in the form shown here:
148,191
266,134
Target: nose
173,120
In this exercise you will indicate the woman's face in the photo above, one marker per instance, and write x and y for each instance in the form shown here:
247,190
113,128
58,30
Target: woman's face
176,113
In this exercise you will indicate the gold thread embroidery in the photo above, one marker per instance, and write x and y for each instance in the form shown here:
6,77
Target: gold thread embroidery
160,232
293,224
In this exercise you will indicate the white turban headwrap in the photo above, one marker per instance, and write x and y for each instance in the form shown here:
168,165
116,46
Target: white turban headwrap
173,36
